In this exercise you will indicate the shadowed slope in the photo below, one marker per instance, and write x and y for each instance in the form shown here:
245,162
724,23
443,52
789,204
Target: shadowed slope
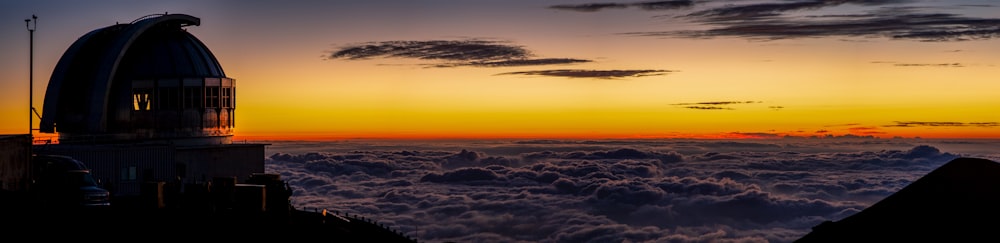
957,201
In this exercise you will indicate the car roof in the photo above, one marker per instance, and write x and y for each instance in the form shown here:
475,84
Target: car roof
60,162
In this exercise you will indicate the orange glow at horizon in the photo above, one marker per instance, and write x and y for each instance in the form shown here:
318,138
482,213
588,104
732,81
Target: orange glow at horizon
572,136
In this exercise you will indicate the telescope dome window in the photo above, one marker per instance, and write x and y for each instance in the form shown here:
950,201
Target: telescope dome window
142,99
192,97
227,101
169,98
211,97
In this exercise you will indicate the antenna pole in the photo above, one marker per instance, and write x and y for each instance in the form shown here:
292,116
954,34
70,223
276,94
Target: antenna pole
31,25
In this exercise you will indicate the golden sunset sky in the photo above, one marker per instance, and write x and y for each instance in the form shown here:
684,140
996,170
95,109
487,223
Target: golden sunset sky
566,69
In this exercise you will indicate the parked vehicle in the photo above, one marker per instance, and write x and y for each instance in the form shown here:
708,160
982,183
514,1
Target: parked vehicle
65,181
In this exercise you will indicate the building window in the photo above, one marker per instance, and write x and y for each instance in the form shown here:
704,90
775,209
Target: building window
128,173
168,98
142,99
211,97
226,101
192,97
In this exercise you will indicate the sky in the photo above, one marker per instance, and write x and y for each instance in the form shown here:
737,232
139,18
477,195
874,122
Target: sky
566,69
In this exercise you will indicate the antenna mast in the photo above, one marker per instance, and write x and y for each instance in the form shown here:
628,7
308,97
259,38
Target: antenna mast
31,24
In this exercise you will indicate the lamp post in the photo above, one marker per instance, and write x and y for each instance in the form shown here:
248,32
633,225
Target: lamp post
31,25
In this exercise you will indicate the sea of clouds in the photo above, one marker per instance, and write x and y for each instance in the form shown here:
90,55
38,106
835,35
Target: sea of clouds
607,190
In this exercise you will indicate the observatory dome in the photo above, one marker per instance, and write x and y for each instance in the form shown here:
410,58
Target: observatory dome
148,80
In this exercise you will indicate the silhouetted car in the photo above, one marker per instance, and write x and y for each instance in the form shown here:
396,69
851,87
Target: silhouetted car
64,181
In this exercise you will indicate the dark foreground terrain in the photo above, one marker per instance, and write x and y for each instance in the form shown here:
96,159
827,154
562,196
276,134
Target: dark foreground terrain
136,219
957,202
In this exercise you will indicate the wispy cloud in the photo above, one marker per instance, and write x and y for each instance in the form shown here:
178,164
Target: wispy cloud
708,107
583,73
920,64
984,124
765,10
929,65
720,103
714,105
942,124
654,5
471,52
663,5
754,135
843,125
451,50
517,62
865,130
589,7
890,19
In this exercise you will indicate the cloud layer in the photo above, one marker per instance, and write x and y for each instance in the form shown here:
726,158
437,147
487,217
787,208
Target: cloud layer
655,5
601,191
942,124
718,105
479,53
453,53
893,19
583,73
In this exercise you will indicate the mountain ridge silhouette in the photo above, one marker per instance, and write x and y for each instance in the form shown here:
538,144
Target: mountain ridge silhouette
958,201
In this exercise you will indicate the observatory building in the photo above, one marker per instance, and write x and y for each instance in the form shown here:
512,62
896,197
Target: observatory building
147,80
146,101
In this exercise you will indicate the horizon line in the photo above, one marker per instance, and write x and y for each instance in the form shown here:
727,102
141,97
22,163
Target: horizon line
295,136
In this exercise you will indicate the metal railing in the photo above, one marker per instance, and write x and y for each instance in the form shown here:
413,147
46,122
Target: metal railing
348,218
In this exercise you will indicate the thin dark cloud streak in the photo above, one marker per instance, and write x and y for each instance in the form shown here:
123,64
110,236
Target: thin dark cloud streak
929,65
865,130
763,10
720,103
843,125
450,50
942,124
978,5
755,134
663,5
599,74
694,107
517,62
922,64
752,12
842,16
921,27
713,105
454,53
651,6
589,7
772,21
